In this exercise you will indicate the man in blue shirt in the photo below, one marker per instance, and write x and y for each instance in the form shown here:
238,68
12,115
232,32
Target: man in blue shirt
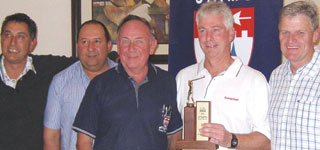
294,110
68,87
133,105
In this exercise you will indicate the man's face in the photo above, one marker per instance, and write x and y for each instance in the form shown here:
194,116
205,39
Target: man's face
214,37
16,43
93,47
297,39
135,45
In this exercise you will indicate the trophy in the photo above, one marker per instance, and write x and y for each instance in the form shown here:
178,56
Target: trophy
195,114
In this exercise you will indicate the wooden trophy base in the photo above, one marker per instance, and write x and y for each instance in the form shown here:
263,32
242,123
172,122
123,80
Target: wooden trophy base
196,145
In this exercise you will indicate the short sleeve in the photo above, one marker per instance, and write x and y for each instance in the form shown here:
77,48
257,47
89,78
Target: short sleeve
52,113
86,120
258,107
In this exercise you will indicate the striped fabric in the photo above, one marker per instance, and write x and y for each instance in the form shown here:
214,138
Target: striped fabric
64,98
294,110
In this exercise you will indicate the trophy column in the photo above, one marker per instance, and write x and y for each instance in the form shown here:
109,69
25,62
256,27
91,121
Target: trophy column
189,123
192,115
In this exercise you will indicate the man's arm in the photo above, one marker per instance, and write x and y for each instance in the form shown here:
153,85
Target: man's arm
51,139
219,135
172,139
84,142
52,116
254,140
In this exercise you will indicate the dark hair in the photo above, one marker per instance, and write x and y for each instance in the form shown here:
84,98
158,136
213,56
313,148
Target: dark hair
133,17
21,18
106,32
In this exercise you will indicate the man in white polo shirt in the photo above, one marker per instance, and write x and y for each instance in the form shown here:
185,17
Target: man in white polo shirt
238,93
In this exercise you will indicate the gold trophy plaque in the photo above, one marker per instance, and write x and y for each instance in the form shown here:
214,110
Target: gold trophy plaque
194,116
202,116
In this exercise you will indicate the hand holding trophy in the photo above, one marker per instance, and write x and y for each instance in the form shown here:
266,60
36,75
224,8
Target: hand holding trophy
195,114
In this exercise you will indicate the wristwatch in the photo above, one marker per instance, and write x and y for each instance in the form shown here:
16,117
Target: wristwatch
234,141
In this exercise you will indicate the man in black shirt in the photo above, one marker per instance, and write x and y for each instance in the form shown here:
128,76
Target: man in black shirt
24,83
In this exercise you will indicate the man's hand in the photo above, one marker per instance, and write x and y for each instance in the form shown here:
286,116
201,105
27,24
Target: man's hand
217,134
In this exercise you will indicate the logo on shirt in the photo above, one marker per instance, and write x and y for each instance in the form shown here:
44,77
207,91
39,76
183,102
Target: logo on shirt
165,114
230,98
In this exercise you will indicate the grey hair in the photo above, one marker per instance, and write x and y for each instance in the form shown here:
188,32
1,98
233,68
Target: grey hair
306,8
137,18
216,8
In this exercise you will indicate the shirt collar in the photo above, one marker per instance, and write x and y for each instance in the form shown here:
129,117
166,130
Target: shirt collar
232,71
151,74
85,77
12,82
111,63
310,69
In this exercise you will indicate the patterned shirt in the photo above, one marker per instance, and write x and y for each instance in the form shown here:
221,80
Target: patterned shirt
13,82
294,110
65,95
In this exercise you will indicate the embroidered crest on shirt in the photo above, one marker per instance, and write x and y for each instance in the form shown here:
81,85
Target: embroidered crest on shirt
166,114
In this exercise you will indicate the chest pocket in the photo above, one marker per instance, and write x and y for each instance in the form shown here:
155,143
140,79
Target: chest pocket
309,96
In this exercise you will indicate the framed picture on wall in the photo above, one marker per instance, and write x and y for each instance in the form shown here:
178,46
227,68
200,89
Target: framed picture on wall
112,12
